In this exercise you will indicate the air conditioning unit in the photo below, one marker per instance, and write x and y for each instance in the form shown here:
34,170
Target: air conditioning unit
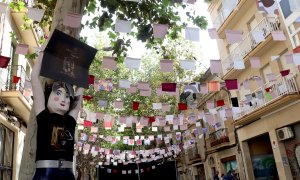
284,133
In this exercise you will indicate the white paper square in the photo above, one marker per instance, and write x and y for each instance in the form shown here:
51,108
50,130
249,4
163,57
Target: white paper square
123,26
192,34
188,64
35,14
132,63
123,83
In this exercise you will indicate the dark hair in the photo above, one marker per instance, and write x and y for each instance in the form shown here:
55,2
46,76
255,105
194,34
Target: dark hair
55,86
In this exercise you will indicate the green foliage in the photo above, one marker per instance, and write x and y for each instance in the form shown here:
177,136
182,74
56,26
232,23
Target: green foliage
31,56
17,6
142,15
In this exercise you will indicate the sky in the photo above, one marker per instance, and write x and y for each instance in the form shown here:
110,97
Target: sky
207,47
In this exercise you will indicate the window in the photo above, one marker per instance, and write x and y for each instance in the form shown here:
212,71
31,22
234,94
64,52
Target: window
297,154
285,7
6,152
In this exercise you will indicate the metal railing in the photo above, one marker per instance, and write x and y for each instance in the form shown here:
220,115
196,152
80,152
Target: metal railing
223,14
219,137
266,25
14,78
282,86
193,153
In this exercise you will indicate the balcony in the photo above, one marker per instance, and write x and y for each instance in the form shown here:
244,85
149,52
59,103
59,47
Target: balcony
219,137
248,44
16,90
284,91
193,154
30,36
223,15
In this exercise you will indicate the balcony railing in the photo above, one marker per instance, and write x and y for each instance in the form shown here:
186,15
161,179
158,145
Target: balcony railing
219,137
223,14
193,153
282,86
14,78
266,25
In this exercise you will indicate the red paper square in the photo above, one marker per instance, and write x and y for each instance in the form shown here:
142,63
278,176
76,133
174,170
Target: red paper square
220,103
182,106
168,87
135,105
151,119
4,61
296,50
16,79
87,123
87,97
91,79
285,72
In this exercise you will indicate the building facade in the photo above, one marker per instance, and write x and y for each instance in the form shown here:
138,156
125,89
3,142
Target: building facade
15,95
265,121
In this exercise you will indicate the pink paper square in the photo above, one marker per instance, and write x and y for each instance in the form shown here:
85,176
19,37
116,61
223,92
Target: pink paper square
143,86
213,34
109,63
159,91
278,36
255,62
72,20
233,36
166,65
119,104
146,93
289,58
22,49
215,66
210,104
246,84
132,89
271,77
160,30
165,107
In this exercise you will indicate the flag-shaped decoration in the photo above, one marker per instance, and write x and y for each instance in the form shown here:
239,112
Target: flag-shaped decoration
160,30
182,106
4,61
16,79
109,63
192,34
255,62
135,105
35,14
233,36
215,66
22,49
166,65
3,7
123,26
72,20
168,87
132,63
91,79
213,34
285,72
278,36
231,84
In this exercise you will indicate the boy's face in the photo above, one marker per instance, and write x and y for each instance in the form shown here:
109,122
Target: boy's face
59,101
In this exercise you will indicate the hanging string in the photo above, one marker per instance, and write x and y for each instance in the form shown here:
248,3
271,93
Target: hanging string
176,171
138,170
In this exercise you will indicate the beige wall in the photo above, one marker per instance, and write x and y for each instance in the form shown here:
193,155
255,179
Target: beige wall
19,136
219,166
268,124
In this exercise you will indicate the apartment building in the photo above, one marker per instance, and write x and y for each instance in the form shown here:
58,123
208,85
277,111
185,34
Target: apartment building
263,134
15,95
